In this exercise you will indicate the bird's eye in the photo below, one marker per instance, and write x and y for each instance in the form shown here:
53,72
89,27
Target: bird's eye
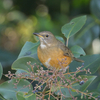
46,35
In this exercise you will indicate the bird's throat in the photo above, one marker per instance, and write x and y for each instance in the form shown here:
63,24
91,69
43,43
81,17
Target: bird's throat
43,46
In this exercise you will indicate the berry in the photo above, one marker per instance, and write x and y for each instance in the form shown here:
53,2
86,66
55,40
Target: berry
34,92
41,86
82,64
81,83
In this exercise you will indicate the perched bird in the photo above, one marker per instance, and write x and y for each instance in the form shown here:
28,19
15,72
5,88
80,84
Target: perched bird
53,53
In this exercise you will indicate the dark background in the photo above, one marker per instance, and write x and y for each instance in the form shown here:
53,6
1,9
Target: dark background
20,18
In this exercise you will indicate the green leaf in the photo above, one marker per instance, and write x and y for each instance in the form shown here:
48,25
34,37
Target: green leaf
21,96
67,98
29,49
1,71
76,86
77,51
1,97
85,85
95,8
8,91
90,26
98,88
53,88
6,58
60,38
91,62
95,83
21,64
74,26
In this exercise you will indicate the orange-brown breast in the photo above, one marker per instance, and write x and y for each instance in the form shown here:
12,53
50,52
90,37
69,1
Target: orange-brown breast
53,57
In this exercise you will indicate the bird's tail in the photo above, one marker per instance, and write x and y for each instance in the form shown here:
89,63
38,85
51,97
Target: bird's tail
79,60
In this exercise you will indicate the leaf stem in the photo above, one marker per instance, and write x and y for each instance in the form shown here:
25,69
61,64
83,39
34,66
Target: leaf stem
67,41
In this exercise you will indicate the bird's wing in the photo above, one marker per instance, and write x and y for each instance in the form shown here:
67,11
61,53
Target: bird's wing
67,52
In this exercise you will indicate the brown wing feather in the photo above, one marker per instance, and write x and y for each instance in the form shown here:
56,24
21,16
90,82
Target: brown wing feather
67,52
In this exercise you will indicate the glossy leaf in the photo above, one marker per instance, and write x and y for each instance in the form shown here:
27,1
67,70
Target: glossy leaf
91,62
1,71
98,88
22,96
90,26
76,86
84,41
29,49
85,85
1,97
86,35
95,7
8,91
95,84
77,51
74,26
60,38
67,98
6,58
21,64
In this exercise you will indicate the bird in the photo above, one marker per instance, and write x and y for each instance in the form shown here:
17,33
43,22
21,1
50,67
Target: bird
53,53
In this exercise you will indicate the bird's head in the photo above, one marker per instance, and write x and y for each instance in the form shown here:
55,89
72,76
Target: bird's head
46,38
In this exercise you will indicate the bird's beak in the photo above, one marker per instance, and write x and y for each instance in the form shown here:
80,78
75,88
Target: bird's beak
37,34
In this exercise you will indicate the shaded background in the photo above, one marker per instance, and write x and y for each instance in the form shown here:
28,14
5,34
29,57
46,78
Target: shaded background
20,18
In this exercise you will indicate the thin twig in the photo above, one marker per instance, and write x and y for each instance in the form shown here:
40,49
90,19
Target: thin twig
43,93
70,94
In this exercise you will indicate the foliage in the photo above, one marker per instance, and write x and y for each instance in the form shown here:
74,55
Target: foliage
18,22
19,19
52,84
1,71
74,26
59,83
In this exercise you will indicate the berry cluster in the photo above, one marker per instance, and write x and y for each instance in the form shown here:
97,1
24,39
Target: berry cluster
51,82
